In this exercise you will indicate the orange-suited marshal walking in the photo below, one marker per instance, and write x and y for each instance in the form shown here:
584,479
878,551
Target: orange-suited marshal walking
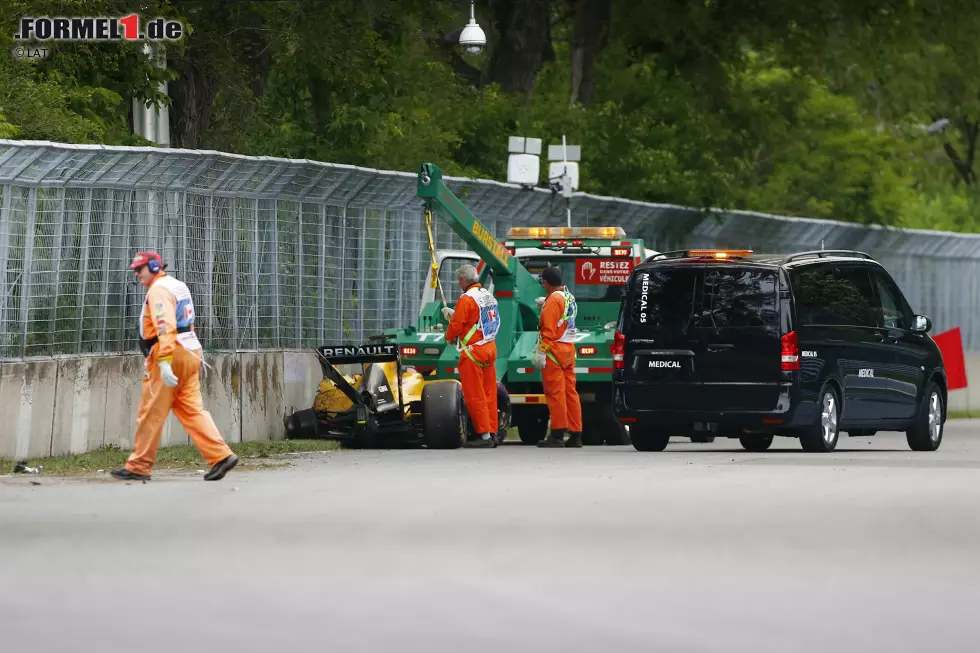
172,380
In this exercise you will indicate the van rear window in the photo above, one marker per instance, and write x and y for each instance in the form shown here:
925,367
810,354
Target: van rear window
664,299
678,299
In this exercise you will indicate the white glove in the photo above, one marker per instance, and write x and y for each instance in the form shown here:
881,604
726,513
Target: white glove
540,301
167,374
540,359
448,313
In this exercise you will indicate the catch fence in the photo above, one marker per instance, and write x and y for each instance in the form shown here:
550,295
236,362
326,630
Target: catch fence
286,254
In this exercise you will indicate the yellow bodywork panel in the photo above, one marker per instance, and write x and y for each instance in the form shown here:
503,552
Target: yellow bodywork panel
330,398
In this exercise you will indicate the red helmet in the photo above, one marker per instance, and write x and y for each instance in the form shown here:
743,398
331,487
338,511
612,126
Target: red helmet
150,259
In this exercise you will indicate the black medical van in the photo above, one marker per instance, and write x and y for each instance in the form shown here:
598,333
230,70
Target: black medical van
731,344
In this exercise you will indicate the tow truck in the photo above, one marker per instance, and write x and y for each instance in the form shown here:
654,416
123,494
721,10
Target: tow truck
595,263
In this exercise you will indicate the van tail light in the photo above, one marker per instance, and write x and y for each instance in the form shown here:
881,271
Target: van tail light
618,349
790,345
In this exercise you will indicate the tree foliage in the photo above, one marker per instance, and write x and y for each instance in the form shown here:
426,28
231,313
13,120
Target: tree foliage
815,109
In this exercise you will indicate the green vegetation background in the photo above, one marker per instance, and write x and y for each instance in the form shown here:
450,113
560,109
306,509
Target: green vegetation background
814,109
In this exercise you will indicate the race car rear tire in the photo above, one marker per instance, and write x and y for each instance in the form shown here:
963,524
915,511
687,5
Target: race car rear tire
302,425
442,416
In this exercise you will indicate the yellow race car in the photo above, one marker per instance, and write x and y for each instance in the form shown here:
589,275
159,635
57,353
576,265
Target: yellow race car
386,405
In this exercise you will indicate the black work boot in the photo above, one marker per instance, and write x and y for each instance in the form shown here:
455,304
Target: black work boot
554,440
482,441
221,468
574,440
126,475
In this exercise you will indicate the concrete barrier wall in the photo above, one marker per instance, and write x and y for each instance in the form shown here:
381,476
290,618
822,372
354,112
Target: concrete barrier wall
74,405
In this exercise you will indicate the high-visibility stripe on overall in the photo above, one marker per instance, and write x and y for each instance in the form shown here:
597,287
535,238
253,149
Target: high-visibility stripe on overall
488,323
569,315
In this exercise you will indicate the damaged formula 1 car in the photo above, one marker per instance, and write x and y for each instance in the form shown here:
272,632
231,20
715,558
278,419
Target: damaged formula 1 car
385,405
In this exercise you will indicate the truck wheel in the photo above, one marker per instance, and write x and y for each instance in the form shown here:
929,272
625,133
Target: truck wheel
650,439
926,433
617,434
302,425
600,425
532,430
756,442
593,433
442,416
505,414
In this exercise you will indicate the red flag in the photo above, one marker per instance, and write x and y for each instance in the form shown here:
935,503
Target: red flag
951,345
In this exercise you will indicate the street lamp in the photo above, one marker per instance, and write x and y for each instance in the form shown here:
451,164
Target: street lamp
472,38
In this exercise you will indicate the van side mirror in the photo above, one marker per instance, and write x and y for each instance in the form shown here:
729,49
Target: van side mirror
921,324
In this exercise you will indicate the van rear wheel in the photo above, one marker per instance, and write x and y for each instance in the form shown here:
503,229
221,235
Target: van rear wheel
649,439
756,442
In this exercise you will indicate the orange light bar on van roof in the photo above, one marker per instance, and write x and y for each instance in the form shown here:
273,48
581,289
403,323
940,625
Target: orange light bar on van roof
566,232
719,253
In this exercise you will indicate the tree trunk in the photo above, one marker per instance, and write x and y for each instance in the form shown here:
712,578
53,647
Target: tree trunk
193,96
523,44
592,18
971,130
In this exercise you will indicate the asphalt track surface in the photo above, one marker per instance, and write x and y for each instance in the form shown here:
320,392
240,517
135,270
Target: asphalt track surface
698,548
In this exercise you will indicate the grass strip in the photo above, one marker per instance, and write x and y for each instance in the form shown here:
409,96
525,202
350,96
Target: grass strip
183,456
963,414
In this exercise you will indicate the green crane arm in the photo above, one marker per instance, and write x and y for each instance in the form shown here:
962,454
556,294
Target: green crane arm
514,286
508,273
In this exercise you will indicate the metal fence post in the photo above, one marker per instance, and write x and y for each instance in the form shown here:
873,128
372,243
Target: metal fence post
25,287
5,226
322,273
299,276
275,268
233,291
210,236
184,241
342,280
59,237
124,258
256,272
401,263
361,281
83,267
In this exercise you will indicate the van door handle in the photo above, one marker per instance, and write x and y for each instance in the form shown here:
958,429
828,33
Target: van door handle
720,347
